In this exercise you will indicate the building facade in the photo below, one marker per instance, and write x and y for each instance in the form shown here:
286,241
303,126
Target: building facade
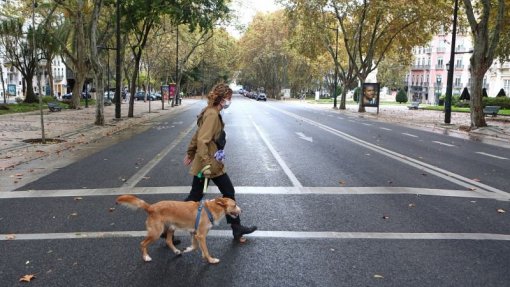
426,80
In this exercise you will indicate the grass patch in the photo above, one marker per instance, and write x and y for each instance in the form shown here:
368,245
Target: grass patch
25,108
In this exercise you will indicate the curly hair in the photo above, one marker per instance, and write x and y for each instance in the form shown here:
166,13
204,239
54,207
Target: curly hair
218,93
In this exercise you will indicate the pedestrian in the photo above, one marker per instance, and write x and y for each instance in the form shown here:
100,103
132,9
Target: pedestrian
206,149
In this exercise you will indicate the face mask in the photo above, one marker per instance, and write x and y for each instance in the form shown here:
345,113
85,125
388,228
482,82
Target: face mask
226,104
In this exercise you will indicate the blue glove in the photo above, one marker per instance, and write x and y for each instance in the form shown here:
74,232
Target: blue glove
220,155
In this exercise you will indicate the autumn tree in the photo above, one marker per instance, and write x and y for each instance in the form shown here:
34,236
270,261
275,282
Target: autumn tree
372,28
487,23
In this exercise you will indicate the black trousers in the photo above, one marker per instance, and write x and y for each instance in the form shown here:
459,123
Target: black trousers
224,185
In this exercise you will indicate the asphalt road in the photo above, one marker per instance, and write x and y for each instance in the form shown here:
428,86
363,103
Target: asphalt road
339,201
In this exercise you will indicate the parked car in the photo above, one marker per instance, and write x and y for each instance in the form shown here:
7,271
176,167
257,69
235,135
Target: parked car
67,96
140,96
261,97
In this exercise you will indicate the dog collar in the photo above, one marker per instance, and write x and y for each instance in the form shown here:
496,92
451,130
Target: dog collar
209,214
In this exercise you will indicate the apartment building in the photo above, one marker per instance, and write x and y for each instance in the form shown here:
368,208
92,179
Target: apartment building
427,77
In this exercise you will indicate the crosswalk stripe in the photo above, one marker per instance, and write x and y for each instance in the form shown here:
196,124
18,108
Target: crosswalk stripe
289,190
269,234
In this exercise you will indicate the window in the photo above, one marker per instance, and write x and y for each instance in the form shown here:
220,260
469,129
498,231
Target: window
457,82
440,62
439,79
506,86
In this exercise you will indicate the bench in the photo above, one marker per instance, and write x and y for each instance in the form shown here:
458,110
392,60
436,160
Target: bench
491,110
54,107
414,105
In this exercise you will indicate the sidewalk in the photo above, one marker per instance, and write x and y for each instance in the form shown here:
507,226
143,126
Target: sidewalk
73,127
497,132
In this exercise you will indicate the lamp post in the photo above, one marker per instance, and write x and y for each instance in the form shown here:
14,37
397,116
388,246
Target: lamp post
117,61
107,68
175,101
336,71
450,68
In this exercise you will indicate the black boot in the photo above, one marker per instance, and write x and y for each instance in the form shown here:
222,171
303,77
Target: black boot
239,230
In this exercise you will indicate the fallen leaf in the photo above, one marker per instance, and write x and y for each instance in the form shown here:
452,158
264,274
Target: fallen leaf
10,236
476,179
412,205
385,217
501,210
146,177
73,214
112,209
19,174
341,182
424,174
27,278
472,188
377,276
78,198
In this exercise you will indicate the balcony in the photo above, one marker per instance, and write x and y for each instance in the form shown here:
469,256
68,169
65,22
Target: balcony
58,78
439,67
421,67
440,49
459,67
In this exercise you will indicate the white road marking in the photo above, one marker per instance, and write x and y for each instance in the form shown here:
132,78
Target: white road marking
491,155
386,129
367,124
434,170
269,234
304,137
410,135
339,191
340,118
441,143
286,169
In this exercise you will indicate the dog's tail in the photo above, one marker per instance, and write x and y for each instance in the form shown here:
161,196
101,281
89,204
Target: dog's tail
132,201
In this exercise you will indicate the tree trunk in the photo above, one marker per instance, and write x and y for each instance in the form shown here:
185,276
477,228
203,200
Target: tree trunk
30,97
361,107
477,74
133,84
50,76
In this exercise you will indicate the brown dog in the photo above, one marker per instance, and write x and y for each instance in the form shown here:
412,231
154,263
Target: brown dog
181,215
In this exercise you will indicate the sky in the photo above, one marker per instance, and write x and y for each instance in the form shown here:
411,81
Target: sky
245,10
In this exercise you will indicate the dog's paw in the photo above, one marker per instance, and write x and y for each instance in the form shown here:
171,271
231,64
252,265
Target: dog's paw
177,252
214,260
147,258
188,249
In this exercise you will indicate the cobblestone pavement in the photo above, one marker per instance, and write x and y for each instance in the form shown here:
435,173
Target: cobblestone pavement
71,127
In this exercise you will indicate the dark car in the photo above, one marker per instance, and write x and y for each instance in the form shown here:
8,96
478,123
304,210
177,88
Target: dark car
67,96
261,97
140,96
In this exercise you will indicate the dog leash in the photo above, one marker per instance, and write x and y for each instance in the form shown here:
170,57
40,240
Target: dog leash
202,206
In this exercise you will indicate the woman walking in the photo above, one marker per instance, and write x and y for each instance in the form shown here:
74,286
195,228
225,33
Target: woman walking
205,154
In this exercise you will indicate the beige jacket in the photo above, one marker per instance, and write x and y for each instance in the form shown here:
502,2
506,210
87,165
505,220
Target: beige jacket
202,147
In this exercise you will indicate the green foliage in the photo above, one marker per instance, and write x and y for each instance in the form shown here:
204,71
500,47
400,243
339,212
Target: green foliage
357,91
484,93
401,97
465,95
48,99
501,93
503,102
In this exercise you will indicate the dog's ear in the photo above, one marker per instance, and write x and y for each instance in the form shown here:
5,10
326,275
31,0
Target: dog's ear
220,201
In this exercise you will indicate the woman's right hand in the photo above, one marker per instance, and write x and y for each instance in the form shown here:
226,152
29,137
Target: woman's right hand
187,160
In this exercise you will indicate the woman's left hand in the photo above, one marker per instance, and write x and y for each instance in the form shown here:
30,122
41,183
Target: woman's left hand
187,160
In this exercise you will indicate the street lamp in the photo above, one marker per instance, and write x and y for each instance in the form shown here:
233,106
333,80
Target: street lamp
175,101
449,80
107,68
336,70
